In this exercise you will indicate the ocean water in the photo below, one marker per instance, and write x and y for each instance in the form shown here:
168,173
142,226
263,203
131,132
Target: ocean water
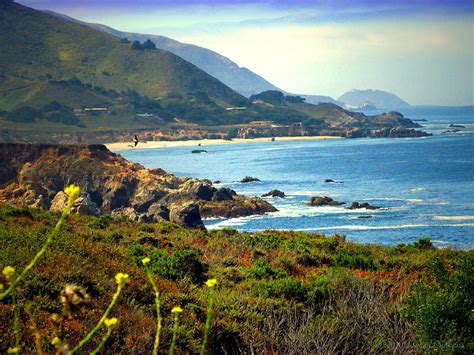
426,185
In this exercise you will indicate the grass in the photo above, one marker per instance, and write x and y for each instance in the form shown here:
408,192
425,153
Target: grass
278,291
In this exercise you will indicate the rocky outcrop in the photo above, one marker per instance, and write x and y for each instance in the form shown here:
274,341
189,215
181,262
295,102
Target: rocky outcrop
324,201
238,206
356,205
249,179
275,193
186,215
35,175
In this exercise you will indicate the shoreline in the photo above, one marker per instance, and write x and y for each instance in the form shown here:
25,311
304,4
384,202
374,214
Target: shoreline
119,146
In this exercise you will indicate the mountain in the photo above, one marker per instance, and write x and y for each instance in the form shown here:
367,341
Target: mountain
63,81
37,47
222,68
377,98
319,99
238,78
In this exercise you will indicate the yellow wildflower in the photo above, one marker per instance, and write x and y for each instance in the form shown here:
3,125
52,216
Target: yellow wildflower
111,322
122,279
146,261
13,350
9,273
72,191
176,309
211,282
56,341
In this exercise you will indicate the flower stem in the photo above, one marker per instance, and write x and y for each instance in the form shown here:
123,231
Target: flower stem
16,320
207,326
158,314
101,321
45,246
103,341
175,331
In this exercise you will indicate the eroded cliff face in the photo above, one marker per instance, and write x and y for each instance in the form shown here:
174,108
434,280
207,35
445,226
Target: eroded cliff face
35,175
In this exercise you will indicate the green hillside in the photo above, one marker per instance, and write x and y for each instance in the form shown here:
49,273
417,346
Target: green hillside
37,47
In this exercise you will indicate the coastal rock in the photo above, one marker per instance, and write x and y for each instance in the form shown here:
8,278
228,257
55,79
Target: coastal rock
249,179
158,212
224,194
275,193
198,151
331,181
356,205
186,215
82,205
324,201
452,125
239,206
35,175
129,213
397,132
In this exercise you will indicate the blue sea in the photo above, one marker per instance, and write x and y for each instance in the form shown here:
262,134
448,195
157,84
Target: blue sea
425,185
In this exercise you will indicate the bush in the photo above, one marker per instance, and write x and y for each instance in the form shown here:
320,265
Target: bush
181,264
354,260
25,114
262,269
442,310
289,288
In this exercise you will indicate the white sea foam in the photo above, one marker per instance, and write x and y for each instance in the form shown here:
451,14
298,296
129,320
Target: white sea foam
359,227
416,189
411,200
454,218
299,210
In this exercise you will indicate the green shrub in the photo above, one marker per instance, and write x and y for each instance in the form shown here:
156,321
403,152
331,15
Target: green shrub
261,269
442,309
289,288
180,264
101,222
354,260
266,240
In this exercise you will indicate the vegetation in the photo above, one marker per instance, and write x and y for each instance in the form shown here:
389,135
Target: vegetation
278,291
60,50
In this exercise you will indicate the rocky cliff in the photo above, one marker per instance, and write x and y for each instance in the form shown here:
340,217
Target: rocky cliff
36,174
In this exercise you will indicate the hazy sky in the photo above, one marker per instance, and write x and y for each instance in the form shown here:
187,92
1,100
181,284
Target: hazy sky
421,50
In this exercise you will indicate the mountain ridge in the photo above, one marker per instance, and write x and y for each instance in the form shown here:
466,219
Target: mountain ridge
215,64
379,98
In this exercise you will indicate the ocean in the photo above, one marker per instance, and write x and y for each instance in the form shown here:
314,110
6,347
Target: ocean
425,185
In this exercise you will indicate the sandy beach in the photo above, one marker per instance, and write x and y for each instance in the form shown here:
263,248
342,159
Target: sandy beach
206,142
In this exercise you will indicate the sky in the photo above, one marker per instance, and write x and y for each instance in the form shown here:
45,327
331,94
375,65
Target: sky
421,50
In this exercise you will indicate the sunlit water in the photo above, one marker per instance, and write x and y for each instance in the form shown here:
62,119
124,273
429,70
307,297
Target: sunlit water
426,185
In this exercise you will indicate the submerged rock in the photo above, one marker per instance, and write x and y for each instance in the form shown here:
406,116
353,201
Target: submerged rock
249,179
275,193
356,205
324,201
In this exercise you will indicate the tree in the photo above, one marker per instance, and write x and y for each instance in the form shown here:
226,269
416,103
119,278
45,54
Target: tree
148,45
137,46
